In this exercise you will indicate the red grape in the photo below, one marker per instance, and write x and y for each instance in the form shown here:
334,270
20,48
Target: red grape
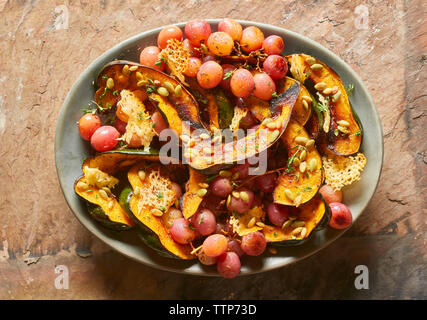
267,182
228,265
341,216
120,126
209,75
193,67
252,38
264,86
242,169
254,243
204,222
167,33
242,83
88,124
276,67
204,259
220,43
172,215
232,27
104,138
150,58
227,69
177,190
197,31
234,246
277,214
330,194
181,232
221,187
240,205
215,245
273,45
190,48
158,122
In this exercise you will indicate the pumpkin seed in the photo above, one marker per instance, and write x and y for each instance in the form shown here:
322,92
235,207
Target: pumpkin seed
110,83
292,218
303,232
271,125
298,200
251,222
235,176
343,123
244,196
103,194
107,190
133,68
272,250
305,104
141,175
316,67
303,155
266,121
289,194
336,96
82,185
236,194
157,212
298,223
286,224
274,135
320,86
310,60
169,86
309,144
202,192
301,140
260,224
343,129
296,231
178,90
327,91
204,136
203,185
225,173
312,164
302,166
296,162
228,201
125,69
139,76
307,98
185,138
141,83
163,91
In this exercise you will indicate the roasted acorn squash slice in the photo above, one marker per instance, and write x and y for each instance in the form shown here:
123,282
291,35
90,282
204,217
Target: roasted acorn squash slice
299,182
340,110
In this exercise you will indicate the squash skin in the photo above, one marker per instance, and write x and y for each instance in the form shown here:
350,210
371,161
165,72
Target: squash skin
153,223
294,180
340,109
183,106
280,110
316,213
145,234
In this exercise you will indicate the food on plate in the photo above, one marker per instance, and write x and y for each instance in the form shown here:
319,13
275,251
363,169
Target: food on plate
260,145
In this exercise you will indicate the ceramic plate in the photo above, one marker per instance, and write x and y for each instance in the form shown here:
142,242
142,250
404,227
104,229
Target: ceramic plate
70,150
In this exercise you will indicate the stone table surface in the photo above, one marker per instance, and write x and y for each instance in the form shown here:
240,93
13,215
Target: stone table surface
47,44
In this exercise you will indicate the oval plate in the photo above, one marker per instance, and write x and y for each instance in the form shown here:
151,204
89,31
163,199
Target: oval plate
70,149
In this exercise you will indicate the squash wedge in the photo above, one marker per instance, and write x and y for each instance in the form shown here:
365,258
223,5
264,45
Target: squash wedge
146,219
298,185
339,142
211,159
315,214
191,201
175,109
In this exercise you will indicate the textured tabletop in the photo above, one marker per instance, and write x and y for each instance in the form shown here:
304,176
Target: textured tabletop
45,45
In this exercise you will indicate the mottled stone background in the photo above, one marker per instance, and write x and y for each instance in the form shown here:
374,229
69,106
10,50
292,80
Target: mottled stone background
45,45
